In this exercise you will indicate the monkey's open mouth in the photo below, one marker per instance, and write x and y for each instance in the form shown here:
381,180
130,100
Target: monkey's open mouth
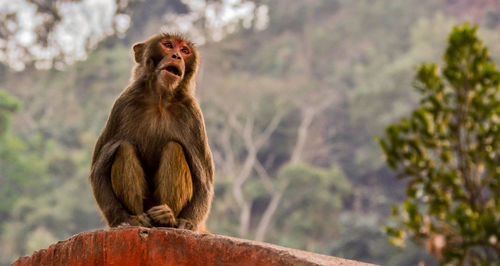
174,70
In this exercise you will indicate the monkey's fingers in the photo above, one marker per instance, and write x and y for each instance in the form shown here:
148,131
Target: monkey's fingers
162,215
185,224
144,220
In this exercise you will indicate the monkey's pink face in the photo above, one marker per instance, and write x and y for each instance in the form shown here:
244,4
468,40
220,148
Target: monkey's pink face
173,64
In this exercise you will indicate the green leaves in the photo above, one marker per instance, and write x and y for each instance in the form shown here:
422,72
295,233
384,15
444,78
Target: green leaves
427,80
8,105
449,150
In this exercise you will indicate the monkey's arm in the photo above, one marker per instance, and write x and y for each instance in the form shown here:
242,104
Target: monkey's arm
200,162
111,208
100,177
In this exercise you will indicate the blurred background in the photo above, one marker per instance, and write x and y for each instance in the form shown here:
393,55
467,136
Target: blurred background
293,94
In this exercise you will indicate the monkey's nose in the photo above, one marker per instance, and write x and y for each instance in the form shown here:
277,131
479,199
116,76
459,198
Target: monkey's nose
176,56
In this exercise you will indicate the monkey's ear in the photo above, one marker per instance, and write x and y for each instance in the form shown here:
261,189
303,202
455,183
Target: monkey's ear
138,51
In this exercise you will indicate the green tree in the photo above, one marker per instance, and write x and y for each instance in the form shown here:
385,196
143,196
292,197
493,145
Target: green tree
449,151
21,172
8,105
309,217
8,158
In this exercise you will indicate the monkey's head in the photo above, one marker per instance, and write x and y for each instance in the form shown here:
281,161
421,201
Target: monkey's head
167,61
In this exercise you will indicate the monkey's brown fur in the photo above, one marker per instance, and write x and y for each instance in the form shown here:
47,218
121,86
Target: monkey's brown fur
152,165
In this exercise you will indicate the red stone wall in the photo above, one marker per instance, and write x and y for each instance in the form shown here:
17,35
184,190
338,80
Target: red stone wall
144,246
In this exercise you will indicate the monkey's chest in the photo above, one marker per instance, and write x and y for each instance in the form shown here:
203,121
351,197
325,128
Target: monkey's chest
154,128
150,139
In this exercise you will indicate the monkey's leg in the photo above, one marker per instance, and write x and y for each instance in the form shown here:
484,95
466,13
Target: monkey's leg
173,185
129,184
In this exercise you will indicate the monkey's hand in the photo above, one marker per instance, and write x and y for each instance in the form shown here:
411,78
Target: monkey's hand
162,215
185,224
137,220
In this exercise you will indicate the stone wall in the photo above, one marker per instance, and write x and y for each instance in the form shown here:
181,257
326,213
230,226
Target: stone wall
166,246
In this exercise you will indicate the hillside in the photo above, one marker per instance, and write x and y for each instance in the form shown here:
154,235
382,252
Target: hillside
291,114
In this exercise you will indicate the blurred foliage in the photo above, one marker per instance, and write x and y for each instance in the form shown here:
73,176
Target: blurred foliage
8,105
449,149
345,65
315,199
56,33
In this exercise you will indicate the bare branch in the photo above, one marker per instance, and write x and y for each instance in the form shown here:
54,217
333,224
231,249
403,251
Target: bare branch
252,146
264,176
307,117
308,112
229,161
268,214
271,127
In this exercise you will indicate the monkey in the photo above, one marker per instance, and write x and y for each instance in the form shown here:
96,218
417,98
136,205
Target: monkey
152,165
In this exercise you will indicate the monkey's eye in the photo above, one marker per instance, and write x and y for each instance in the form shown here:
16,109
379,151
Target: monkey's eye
185,50
168,45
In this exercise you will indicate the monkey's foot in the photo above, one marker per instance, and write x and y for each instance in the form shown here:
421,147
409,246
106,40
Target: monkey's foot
138,220
162,215
185,224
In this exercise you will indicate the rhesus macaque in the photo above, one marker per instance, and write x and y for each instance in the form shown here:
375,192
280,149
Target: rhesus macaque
152,165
